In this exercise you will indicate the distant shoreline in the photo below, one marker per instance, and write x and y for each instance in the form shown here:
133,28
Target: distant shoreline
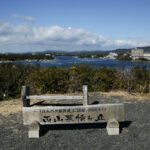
10,61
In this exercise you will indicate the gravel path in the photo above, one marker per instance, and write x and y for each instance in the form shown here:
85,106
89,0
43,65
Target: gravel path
135,132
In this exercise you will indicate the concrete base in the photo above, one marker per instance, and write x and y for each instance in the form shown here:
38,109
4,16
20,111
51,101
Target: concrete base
34,130
33,134
113,127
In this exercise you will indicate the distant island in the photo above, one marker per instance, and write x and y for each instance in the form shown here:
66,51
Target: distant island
25,57
137,54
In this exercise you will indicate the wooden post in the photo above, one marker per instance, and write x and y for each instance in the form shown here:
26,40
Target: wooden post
85,95
25,92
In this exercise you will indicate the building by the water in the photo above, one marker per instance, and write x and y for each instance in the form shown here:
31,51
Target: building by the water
112,55
139,53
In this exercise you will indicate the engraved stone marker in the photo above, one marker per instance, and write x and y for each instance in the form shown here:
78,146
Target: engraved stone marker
35,116
73,114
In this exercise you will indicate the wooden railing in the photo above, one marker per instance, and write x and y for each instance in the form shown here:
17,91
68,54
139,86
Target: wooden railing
26,97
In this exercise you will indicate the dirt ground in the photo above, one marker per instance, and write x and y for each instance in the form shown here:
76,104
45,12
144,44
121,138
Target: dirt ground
135,131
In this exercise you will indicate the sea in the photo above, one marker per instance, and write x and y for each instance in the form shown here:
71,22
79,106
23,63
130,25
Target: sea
68,61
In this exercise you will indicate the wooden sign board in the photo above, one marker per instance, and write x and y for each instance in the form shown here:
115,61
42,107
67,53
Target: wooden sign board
73,114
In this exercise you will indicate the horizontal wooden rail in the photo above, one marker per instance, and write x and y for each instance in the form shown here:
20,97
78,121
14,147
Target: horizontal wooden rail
60,97
26,97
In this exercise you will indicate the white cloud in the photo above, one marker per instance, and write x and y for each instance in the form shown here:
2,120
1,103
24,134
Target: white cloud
21,38
26,18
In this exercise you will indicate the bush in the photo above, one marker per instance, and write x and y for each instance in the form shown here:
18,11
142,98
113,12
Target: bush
63,80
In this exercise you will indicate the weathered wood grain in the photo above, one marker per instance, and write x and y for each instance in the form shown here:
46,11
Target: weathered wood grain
60,97
85,95
24,93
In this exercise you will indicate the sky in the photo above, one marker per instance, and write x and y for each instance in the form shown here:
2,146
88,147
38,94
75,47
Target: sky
73,25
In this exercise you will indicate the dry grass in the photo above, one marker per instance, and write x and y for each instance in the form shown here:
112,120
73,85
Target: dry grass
13,106
126,96
10,107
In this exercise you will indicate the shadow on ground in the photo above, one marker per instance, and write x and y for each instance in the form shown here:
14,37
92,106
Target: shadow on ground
54,104
124,124
45,128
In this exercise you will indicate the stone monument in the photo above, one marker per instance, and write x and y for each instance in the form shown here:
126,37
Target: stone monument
112,114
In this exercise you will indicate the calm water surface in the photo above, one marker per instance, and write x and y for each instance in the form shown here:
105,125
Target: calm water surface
68,61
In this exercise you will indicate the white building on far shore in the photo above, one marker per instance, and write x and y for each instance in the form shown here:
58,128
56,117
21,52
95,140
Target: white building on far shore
139,53
112,55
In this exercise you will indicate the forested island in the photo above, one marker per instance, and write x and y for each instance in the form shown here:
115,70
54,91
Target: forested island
22,57
120,54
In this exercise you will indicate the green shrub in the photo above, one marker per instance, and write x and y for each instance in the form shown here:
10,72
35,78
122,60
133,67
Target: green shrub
63,80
